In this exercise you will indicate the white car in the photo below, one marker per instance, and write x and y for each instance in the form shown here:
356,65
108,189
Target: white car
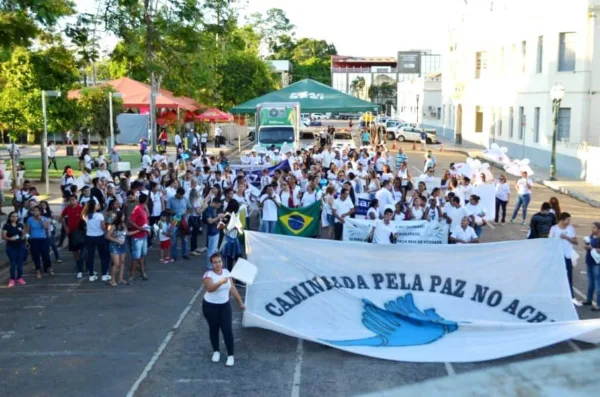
413,134
343,140
318,116
393,127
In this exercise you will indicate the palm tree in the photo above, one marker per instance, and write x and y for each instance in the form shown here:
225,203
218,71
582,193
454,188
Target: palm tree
358,85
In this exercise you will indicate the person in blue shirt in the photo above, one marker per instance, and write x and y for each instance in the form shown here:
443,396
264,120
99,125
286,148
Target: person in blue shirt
401,157
593,268
366,138
179,206
36,230
423,137
212,216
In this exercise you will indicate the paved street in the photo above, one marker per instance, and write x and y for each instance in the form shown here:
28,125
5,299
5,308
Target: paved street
60,337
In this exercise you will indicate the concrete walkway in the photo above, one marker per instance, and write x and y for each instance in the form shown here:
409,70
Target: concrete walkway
586,192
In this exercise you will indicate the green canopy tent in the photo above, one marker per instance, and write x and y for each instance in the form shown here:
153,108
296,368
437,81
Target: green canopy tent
314,97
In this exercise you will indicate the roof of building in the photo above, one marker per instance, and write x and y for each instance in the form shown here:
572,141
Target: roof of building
353,59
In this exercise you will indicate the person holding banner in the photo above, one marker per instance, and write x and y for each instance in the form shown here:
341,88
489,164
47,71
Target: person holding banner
268,203
383,231
342,208
373,211
565,233
592,262
384,197
216,307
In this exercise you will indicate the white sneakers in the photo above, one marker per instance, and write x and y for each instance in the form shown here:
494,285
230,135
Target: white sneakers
93,278
217,356
106,277
79,275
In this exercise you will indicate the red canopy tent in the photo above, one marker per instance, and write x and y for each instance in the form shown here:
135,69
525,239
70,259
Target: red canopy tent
137,95
214,116
170,117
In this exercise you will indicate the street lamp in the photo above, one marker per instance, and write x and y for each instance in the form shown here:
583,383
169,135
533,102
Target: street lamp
112,95
417,123
557,93
45,138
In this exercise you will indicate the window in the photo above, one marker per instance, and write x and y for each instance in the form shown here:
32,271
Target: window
566,52
493,123
536,125
523,56
499,121
521,122
480,64
511,123
478,119
439,113
564,124
540,54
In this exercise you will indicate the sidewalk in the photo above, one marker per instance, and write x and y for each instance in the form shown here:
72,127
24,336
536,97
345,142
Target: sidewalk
580,190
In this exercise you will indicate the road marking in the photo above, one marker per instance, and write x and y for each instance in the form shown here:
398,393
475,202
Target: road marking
209,380
575,348
579,293
298,369
449,369
68,353
164,344
34,307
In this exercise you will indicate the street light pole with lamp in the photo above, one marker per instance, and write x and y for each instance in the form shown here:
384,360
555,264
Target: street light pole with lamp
45,138
417,122
557,93
112,95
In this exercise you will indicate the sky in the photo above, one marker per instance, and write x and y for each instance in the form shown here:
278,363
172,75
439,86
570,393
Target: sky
358,28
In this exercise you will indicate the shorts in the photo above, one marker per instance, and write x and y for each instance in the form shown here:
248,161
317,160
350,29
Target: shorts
330,219
139,247
165,245
117,249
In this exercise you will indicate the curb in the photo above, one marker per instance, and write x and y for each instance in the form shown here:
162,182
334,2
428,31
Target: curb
549,184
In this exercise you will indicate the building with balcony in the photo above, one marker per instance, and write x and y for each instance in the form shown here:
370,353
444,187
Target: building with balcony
407,65
497,81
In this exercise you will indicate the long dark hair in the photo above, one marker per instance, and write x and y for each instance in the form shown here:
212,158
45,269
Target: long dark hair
233,207
91,208
11,214
118,219
47,212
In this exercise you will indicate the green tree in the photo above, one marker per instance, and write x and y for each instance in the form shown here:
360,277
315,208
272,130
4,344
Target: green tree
244,77
93,109
21,21
357,86
384,95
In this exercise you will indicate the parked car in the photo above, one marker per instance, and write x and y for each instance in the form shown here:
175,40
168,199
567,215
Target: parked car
343,139
392,128
307,139
413,134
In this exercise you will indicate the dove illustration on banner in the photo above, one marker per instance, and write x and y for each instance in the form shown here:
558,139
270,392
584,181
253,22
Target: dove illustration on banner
517,166
399,324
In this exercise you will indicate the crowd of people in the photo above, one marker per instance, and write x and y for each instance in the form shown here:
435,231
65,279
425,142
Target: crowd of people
174,203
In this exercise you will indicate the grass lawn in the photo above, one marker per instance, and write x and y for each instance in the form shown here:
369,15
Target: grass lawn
33,166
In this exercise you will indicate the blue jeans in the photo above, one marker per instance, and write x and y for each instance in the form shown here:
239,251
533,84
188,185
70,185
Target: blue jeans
569,266
211,247
522,200
139,248
16,257
176,236
478,230
94,243
268,226
40,249
593,278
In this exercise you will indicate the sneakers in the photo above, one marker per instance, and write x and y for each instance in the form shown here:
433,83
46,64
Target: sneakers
106,277
202,250
79,276
170,260
164,261
229,362
21,281
524,223
216,357
195,253
11,283
93,278
576,302
512,221
58,261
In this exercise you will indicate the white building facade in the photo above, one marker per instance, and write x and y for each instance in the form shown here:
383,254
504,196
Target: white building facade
503,59
420,101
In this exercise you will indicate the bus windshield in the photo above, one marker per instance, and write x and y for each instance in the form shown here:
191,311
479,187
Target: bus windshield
276,135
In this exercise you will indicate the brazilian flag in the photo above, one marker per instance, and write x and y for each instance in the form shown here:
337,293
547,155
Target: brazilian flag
303,222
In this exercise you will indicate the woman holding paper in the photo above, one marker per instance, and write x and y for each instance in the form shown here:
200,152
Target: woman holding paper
232,227
592,261
565,233
216,307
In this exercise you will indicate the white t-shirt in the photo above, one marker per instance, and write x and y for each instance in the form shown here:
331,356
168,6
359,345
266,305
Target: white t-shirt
310,198
103,174
270,207
522,187
467,234
382,231
163,230
476,210
156,203
94,227
89,162
51,150
204,137
502,191
567,247
177,139
146,161
456,214
221,295
342,207
385,198
218,131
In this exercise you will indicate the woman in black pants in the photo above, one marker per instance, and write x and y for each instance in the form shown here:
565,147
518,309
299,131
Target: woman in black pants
217,308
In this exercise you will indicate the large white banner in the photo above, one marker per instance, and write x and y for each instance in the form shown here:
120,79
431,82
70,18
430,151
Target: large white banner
409,232
487,193
440,303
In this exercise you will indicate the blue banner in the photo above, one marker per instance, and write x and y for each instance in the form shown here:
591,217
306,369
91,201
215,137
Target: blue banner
362,205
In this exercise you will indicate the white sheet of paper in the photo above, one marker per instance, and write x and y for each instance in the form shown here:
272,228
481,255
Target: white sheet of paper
596,256
244,271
